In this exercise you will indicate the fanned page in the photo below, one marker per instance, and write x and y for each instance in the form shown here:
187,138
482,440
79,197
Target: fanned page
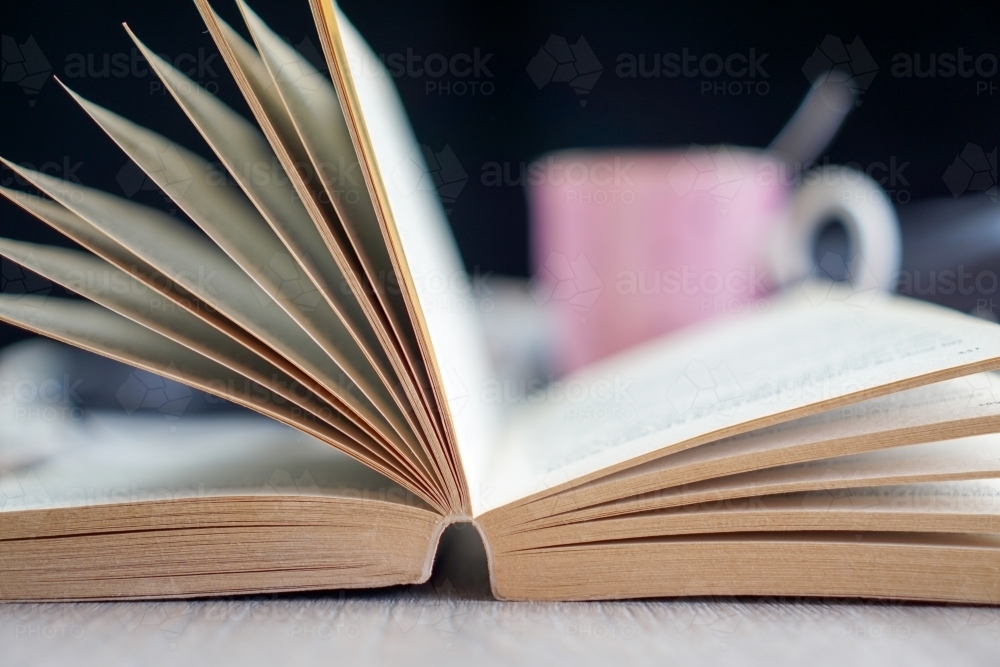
813,351
266,304
426,259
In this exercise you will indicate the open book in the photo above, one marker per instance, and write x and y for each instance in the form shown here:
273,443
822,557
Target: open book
834,443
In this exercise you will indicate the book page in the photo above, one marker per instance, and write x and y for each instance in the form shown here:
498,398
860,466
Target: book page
260,82
96,329
192,457
194,262
229,218
974,458
805,355
958,408
430,269
944,507
245,152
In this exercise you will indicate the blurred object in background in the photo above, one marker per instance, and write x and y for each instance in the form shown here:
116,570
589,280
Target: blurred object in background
951,253
39,406
47,391
521,336
630,245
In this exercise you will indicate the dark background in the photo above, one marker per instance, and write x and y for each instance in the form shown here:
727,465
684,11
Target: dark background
924,122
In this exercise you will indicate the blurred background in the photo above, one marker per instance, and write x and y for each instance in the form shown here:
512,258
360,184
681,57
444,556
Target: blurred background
926,124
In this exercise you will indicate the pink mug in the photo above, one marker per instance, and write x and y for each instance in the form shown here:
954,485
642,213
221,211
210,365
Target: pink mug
631,245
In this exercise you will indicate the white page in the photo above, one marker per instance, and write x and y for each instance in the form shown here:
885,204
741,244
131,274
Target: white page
431,262
728,373
193,457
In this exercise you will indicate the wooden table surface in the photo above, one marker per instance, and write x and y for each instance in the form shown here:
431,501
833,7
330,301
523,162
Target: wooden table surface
424,627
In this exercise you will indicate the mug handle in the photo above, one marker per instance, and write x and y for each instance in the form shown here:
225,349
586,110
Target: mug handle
863,207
